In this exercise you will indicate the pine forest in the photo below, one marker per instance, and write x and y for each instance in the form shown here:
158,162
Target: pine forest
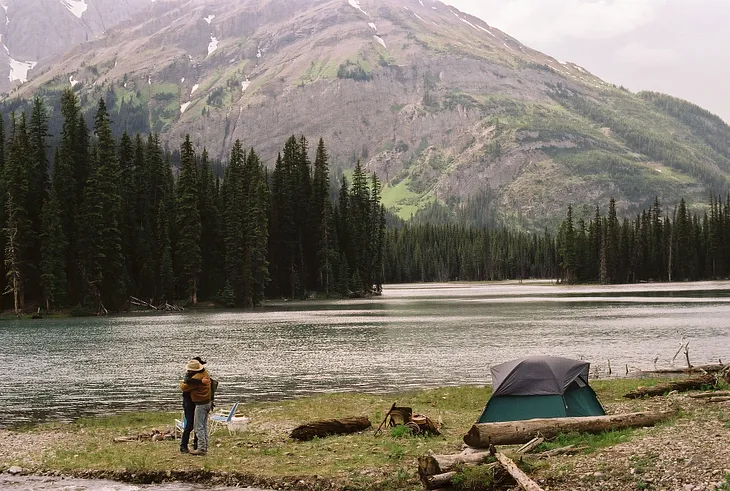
105,220
113,220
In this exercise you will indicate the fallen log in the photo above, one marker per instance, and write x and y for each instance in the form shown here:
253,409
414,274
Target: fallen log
482,435
705,395
438,481
522,479
718,399
569,450
531,445
433,464
680,386
711,368
327,427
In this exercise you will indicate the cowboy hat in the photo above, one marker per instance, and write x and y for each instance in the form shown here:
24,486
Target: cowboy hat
194,366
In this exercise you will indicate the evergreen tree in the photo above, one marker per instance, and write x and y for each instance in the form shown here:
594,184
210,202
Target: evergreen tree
19,225
166,273
53,247
188,222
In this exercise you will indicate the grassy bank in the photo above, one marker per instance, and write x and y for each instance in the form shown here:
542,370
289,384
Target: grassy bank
265,455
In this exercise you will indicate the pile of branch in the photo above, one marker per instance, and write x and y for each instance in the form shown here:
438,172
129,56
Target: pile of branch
166,307
692,383
437,471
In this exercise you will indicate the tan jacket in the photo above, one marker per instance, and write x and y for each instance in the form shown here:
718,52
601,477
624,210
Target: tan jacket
199,393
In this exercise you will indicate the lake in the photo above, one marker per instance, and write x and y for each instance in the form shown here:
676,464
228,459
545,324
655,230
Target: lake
412,336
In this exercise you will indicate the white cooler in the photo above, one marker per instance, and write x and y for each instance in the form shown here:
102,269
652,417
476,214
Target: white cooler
238,424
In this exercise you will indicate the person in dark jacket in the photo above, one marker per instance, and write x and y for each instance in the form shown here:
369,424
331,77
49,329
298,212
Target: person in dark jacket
199,388
189,409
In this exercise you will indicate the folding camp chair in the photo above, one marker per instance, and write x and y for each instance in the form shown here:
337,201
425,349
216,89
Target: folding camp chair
220,418
179,426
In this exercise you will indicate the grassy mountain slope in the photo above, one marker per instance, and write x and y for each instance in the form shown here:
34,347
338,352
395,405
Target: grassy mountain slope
441,105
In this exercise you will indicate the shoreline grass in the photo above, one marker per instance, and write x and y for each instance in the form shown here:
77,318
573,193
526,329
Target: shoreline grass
265,453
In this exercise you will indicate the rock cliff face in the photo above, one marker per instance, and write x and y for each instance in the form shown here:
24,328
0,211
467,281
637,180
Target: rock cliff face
439,103
36,32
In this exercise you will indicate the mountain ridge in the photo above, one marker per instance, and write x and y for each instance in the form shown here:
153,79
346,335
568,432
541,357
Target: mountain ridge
440,104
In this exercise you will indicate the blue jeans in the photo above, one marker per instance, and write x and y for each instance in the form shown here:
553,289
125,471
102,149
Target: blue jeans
189,409
201,425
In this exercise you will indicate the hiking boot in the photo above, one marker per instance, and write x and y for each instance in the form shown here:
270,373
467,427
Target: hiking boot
184,450
198,452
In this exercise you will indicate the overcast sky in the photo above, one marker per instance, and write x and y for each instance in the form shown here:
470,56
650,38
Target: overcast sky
679,47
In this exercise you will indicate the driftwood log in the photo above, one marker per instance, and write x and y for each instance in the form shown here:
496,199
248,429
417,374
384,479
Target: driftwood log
711,368
522,479
707,395
516,432
433,464
326,427
680,386
717,399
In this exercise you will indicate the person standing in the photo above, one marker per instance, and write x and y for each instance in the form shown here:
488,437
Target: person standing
200,394
189,410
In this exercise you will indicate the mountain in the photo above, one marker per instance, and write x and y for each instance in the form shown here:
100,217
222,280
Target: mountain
36,32
441,105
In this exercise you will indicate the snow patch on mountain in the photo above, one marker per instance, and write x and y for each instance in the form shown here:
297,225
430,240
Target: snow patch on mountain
73,82
380,40
195,87
420,18
213,45
184,106
355,4
77,7
209,19
259,53
421,2
19,69
487,31
7,19
373,26
245,84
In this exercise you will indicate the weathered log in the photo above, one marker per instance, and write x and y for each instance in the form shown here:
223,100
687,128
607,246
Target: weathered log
515,432
432,464
438,480
531,445
707,395
718,399
711,368
570,449
522,479
330,427
680,386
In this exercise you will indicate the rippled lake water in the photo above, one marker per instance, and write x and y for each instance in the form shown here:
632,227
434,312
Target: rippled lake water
412,336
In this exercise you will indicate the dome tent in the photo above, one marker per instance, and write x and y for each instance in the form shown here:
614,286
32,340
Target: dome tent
540,387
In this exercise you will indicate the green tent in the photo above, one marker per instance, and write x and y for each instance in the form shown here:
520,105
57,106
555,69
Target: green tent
540,387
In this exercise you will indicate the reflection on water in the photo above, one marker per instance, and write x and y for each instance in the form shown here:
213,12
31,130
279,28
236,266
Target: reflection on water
412,336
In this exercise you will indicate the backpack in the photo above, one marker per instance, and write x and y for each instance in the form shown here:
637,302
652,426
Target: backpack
213,388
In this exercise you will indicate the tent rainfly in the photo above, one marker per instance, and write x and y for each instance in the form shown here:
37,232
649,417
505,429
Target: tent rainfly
540,387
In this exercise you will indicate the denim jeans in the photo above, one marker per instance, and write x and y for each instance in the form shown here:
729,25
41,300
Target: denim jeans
189,421
201,425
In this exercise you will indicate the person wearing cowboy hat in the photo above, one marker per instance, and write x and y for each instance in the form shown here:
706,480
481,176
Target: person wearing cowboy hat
199,388
189,410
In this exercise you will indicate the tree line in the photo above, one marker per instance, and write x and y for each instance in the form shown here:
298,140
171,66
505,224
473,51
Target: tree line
655,245
112,218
